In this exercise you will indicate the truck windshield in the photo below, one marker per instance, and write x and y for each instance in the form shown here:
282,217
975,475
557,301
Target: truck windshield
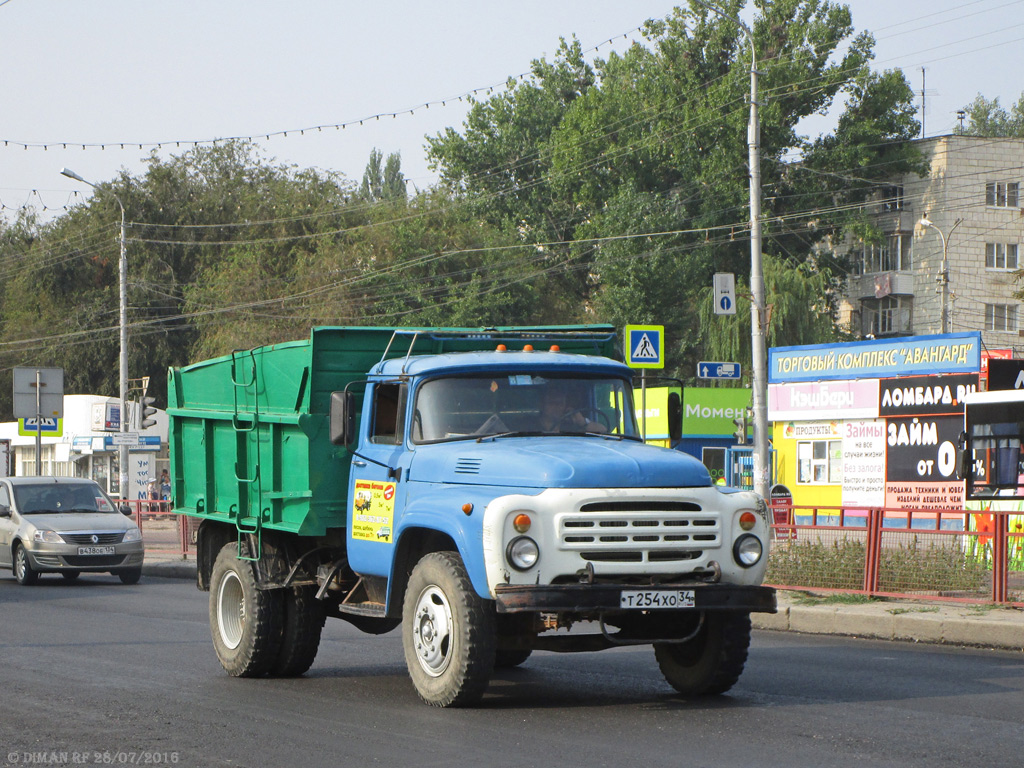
470,407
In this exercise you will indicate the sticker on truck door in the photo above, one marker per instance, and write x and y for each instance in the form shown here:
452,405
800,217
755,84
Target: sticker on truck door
373,511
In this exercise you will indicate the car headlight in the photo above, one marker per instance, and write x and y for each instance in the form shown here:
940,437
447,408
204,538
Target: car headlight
522,553
132,534
747,550
48,537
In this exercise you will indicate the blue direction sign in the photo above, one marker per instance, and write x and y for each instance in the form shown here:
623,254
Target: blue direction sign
709,370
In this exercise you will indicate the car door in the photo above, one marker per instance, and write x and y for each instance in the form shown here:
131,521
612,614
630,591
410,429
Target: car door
7,525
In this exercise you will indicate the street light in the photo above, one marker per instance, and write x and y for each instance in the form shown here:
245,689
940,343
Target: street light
758,313
122,451
944,274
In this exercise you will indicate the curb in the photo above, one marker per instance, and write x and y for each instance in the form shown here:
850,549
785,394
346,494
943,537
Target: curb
170,569
944,624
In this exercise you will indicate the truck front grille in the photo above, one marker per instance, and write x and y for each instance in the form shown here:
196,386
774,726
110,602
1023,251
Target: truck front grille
630,531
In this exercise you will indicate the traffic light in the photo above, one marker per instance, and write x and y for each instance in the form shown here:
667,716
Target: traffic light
741,429
148,411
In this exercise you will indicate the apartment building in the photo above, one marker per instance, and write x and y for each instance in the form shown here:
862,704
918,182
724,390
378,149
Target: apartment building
957,270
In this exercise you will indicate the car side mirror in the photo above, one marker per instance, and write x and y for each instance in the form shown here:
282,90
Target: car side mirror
343,417
5,511
125,510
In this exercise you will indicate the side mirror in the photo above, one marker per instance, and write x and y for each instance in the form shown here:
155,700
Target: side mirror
343,418
5,511
675,416
125,510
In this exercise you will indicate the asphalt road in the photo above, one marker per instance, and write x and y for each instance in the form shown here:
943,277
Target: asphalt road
97,673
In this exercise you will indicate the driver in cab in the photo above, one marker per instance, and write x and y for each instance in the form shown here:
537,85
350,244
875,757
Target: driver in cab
558,413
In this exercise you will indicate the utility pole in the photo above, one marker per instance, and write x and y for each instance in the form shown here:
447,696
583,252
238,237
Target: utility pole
758,307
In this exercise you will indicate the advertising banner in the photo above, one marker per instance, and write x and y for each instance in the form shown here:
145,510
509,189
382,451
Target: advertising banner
863,463
925,395
921,463
812,401
879,358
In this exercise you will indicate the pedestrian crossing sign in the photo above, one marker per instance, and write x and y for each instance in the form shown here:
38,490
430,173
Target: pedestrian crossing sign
645,346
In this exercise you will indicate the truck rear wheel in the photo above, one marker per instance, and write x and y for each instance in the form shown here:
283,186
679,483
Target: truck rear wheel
711,662
300,639
246,622
448,633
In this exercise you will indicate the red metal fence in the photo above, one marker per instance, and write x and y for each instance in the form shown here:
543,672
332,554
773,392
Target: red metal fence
946,554
163,531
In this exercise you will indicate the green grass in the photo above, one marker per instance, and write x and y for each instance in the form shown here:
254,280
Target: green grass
906,567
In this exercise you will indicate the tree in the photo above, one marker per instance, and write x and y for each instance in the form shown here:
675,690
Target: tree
640,168
383,180
987,118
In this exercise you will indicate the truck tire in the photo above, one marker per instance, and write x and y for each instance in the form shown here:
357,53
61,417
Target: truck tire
448,633
713,661
246,622
300,638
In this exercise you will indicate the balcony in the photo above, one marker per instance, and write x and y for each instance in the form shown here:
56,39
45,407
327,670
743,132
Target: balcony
881,284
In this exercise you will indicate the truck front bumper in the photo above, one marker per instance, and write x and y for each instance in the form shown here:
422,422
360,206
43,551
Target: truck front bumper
602,598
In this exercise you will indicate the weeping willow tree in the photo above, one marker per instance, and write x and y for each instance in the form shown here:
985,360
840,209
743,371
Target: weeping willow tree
801,308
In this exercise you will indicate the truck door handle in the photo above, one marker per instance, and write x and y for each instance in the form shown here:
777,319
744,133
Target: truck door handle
356,463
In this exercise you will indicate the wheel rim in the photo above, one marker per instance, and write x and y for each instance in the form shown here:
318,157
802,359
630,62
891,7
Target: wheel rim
432,631
231,610
20,563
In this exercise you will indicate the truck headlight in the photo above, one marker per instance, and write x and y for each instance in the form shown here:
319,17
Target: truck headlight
522,553
747,550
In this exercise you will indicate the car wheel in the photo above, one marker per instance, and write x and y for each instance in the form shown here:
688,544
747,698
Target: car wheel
130,575
70,575
246,622
448,633
22,567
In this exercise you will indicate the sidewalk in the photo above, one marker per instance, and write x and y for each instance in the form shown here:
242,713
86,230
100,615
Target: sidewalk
983,626
924,621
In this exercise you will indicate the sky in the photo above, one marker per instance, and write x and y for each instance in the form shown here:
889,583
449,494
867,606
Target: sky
112,72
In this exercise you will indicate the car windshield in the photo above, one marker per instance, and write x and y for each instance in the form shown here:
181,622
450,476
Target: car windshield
512,404
61,497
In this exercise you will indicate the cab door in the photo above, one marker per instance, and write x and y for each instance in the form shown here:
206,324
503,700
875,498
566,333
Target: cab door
376,491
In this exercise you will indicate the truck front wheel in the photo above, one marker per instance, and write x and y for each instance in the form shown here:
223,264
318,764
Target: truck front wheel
448,633
711,662
246,622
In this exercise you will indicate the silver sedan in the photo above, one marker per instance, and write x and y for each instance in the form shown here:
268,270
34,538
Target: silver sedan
65,525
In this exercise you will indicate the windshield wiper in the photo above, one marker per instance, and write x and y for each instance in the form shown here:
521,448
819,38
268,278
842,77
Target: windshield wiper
513,434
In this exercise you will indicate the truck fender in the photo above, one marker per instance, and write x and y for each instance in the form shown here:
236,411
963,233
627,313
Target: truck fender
426,530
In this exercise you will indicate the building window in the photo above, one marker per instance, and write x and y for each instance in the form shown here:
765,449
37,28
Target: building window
892,198
1000,194
1000,317
1001,256
819,462
891,255
885,316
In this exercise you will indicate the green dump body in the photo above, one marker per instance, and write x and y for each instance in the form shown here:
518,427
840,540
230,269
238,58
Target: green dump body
249,432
